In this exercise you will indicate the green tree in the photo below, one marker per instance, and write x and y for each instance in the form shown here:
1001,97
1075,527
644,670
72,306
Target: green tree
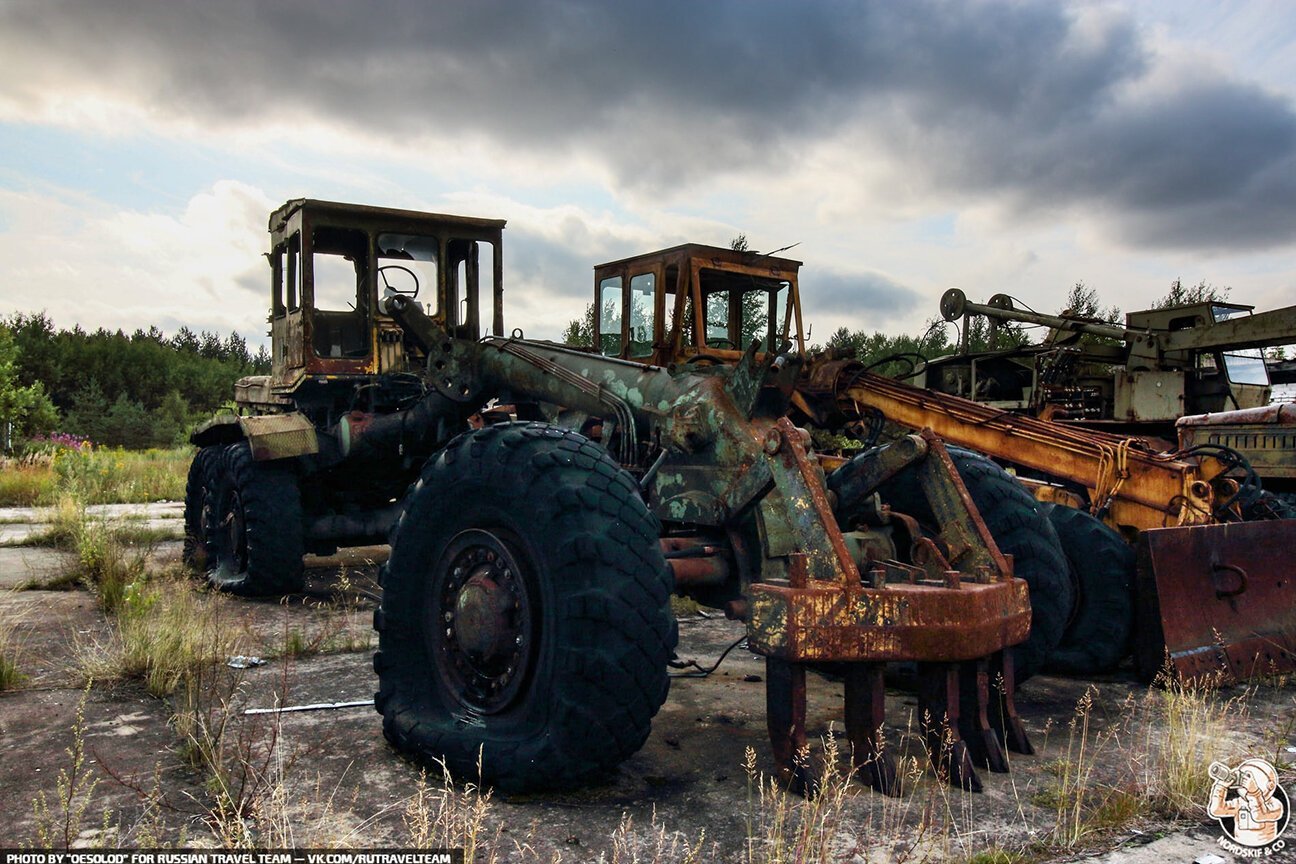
580,331
87,373
24,409
1178,295
128,424
895,355
1082,302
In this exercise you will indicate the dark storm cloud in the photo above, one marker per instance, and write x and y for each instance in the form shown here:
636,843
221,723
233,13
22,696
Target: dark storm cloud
1031,106
865,295
564,271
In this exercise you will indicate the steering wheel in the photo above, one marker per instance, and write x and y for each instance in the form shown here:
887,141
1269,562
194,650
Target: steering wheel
387,286
720,342
704,358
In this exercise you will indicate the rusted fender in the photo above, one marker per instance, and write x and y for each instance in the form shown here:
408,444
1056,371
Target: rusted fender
1218,600
271,436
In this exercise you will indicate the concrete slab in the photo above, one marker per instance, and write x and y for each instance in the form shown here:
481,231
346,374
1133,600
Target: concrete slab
22,565
53,630
127,743
338,782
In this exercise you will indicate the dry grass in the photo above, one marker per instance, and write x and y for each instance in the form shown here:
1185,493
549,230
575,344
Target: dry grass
344,625
1185,725
11,647
24,485
165,632
1149,761
442,815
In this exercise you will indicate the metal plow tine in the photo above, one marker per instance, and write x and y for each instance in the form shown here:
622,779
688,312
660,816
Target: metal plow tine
938,703
865,716
976,726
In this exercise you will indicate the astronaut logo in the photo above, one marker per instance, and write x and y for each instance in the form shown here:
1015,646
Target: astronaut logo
1251,807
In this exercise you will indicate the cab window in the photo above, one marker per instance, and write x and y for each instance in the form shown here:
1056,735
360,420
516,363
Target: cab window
740,309
609,316
407,264
642,314
340,293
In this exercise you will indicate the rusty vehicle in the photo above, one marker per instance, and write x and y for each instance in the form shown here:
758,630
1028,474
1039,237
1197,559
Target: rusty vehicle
1090,428
1143,530
543,502
1191,374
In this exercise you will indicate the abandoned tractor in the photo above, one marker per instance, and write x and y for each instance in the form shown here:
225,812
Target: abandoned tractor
542,503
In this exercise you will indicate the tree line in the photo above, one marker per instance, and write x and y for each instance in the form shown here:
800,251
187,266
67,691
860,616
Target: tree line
145,389
148,389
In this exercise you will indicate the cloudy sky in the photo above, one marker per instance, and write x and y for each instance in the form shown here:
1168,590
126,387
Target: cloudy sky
905,146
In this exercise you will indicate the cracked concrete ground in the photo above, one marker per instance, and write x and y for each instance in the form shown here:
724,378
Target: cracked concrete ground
340,783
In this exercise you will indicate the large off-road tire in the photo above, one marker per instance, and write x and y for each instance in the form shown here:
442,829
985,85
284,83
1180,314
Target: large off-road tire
197,508
254,530
1102,570
1019,528
525,625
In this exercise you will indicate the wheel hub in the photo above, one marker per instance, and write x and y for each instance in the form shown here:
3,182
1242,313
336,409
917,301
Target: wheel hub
482,622
482,612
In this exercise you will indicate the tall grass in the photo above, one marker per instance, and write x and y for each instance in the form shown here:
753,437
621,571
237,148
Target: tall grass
102,476
108,555
163,633
11,674
1187,724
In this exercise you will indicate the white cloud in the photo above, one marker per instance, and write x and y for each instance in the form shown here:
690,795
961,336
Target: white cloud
83,262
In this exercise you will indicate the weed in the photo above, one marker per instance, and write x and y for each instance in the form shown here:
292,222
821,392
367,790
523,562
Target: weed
163,633
1187,725
441,815
660,845
66,521
11,674
109,557
998,856
75,787
295,644
789,828
1073,795
239,755
64,580
170,632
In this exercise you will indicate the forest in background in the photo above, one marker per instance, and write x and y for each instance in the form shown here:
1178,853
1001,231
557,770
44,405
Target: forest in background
148,389
136,391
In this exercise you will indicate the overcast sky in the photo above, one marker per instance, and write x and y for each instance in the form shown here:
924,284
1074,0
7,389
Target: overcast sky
905,146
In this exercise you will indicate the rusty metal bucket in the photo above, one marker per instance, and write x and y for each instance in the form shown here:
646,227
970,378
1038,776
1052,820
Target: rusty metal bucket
1217,600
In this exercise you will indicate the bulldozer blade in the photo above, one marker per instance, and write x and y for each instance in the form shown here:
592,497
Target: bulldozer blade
1219,601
